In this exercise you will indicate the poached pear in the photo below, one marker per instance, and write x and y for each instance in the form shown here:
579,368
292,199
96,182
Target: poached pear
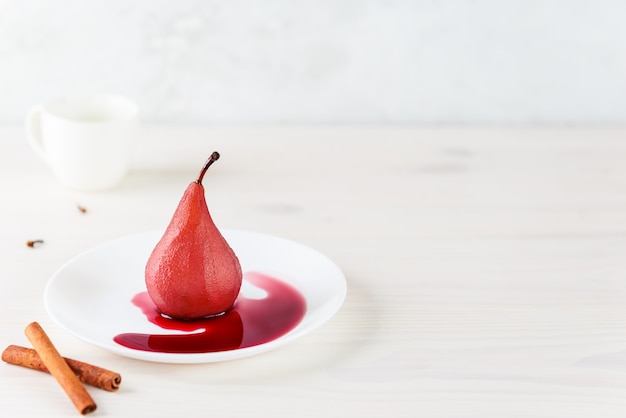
193,272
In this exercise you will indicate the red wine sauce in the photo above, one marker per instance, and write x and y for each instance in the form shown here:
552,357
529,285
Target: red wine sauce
250,322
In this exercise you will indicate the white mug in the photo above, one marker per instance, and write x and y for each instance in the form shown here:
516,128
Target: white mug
86,140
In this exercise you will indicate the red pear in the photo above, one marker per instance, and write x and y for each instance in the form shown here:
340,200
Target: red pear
193,272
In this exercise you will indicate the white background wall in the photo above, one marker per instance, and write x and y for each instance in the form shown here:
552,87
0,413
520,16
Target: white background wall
338,61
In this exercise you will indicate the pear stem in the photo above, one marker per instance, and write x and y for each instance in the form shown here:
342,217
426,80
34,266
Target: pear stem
213,158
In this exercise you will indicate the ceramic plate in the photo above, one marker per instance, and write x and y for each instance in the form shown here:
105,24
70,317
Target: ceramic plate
91,295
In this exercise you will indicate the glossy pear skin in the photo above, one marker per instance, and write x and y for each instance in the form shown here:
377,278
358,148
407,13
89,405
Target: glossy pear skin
193,272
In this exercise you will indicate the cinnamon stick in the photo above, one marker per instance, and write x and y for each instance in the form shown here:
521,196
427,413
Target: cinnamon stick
58,368
86,373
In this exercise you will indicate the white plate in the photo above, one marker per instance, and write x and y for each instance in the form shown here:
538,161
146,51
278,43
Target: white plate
90,295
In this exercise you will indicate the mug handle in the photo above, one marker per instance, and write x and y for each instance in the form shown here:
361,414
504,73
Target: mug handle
33,131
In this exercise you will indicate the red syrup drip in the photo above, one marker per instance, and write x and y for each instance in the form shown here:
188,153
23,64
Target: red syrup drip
250,322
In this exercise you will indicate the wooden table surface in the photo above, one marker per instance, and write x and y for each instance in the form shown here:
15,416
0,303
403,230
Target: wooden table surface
486,269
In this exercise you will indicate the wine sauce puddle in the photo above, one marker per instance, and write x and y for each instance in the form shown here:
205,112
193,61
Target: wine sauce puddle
250,322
